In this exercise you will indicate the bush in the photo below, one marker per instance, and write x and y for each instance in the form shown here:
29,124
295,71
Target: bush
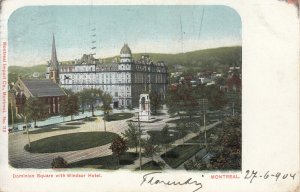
59,162
172,154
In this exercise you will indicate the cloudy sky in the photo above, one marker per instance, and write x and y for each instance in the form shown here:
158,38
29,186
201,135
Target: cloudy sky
150,29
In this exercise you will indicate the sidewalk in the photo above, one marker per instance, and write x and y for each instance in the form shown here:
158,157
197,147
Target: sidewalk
157,158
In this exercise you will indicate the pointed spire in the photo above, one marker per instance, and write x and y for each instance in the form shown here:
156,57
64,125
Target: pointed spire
54,61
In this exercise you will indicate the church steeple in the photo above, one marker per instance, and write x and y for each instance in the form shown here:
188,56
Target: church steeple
54,61
53,65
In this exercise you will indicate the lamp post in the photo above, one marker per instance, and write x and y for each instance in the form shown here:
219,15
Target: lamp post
27,132
12,112
140,150
203,107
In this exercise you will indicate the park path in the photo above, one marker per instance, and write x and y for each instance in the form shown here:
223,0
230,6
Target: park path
20,158
157,157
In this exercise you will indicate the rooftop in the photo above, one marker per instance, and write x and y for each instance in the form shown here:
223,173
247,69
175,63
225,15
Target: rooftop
125,49
43,87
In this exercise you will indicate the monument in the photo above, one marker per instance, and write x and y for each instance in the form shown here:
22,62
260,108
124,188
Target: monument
144,108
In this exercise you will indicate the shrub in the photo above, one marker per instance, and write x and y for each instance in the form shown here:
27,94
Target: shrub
59,162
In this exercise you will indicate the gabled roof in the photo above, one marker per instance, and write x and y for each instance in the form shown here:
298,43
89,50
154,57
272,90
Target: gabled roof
43,87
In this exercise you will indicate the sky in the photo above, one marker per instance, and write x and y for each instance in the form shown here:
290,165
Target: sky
146,29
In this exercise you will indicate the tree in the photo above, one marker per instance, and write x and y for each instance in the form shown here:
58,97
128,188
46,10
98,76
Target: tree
181,127
150,150
132,134
215,96
118,147
11,114
226,151
35,109
59,162
182,98
69,106
106,108
165,138
89,97
155,101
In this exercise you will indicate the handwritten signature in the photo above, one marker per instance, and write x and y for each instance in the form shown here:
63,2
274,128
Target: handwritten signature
150,179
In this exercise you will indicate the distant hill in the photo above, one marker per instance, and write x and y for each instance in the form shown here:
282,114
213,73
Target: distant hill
217,59
15,71
27,70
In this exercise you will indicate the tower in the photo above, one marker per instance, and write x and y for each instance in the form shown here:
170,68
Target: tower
53,65
124,67
125,54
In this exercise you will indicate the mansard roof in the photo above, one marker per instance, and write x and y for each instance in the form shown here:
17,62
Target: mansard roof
42,87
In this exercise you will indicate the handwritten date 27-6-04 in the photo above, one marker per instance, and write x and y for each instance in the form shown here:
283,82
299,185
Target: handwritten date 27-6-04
253,175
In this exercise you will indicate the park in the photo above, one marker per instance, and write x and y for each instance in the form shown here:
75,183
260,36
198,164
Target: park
174,137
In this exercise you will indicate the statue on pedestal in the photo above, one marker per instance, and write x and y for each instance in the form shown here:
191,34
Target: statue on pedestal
144,109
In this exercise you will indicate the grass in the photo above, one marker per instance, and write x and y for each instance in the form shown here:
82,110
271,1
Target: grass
119,116
157,114
186,120
106,162
50,129
89,119
158,138
151,165
71,142
178,155
201,138
75,123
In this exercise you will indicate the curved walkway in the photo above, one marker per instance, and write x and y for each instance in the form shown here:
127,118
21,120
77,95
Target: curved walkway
20,158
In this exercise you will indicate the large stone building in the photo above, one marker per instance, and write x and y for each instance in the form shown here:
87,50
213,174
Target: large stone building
123,78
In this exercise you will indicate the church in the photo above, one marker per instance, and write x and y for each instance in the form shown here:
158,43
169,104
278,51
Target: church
123,78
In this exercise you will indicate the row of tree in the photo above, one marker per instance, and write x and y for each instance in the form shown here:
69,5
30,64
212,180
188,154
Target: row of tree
36,109
185,99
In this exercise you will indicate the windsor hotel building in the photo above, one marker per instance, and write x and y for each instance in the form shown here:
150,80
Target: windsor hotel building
123,78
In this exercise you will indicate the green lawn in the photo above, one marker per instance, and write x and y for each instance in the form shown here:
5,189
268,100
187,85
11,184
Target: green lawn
157,114
186,119
119,116
201,138
71,142
50,129
180,154
157,137
106,162
151,165
89,119
75,123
